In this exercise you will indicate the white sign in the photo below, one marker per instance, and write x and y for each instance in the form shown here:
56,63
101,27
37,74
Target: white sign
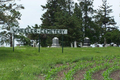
39,31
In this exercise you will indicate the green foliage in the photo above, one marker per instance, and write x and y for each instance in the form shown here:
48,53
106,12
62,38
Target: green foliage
10,15
59,15
23,40
27,63
79,19
89,27
103,15
104,20
113,36
106,74
81,65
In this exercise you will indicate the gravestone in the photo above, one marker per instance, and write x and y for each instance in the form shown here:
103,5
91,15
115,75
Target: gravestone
92,45
80,44
75,44
86,42
71,45
114,45
107,45
100,45
55,42
34,43
111,44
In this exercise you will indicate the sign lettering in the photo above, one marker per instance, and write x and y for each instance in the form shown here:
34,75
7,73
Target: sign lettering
39,31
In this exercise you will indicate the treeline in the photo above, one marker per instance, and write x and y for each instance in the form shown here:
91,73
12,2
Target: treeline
80,19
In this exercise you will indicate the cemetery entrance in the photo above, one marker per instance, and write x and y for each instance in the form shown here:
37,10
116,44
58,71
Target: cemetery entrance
38,31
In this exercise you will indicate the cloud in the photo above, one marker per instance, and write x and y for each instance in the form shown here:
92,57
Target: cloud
32,12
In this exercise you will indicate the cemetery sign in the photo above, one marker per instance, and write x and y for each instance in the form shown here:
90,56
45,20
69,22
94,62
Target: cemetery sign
39,31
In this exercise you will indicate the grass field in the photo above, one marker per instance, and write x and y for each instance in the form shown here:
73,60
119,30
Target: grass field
26,63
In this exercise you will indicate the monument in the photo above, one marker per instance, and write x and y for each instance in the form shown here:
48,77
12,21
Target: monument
55,42
34,43
86,42
75,44
71,45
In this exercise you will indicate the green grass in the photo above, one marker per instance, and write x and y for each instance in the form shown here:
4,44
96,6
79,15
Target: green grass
26,63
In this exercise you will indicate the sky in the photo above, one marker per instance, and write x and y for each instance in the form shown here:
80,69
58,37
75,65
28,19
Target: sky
33,11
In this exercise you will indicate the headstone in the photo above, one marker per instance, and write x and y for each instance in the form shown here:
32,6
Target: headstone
112,44
80,45
34,43
55,42
37,45
96,44
115,45
71,45
92,45
75,44
107,45
86,42
100,45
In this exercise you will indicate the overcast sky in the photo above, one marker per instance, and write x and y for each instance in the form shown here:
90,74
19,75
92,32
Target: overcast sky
33,11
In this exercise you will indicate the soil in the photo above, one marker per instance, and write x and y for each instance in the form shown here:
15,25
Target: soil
115,75
98,75
41,77
58,65
60,75
79,75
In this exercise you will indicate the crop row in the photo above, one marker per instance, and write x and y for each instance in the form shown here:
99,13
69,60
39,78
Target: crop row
106,74
53,72
110,63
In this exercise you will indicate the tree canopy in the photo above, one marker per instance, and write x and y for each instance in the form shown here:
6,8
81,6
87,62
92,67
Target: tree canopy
9,15
80,19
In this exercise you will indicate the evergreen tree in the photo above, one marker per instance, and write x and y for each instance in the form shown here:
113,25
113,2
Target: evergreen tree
103,18
10,15
88,24
60,15
49,17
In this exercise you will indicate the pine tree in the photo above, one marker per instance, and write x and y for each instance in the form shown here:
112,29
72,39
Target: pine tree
10,15
88,24
103,18
48,18
59,15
